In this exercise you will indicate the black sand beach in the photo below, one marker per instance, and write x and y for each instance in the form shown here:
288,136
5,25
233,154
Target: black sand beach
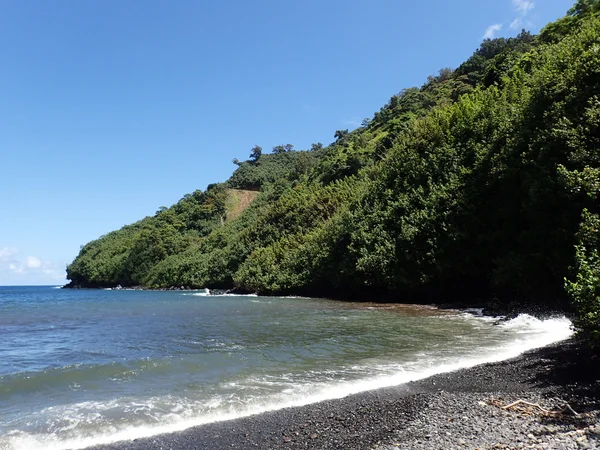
462,409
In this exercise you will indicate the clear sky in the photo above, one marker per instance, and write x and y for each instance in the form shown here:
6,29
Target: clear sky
110,109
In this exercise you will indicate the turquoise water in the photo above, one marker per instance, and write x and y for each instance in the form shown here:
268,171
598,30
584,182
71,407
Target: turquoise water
80,367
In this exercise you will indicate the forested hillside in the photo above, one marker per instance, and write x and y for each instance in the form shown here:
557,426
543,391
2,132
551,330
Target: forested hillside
481,184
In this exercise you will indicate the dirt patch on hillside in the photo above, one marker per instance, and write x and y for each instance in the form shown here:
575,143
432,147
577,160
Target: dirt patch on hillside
239,200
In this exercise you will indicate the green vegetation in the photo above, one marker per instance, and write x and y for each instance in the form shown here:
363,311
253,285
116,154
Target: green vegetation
483,183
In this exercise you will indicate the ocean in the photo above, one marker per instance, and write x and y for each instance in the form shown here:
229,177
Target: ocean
85,367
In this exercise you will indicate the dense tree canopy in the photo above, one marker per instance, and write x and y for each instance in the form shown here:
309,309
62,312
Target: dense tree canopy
483,183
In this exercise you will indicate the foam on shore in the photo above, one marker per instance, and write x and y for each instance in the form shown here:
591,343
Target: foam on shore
77,424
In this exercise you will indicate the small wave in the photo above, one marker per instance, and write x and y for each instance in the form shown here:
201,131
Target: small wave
207,293
525,323
237,295
78,374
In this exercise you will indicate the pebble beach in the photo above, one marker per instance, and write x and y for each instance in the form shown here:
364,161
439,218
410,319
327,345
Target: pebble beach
556,390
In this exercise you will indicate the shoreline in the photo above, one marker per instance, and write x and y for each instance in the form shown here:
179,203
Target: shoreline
460,409
489,308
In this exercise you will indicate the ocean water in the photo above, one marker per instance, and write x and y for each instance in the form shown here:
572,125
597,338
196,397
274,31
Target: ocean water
83,367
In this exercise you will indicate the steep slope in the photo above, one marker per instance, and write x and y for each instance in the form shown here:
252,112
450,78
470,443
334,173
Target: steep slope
470,187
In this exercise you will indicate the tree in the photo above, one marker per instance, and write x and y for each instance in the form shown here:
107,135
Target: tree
304,163
584,287
584,7
445,74
317,146
279,149
288,147
255,153
340,135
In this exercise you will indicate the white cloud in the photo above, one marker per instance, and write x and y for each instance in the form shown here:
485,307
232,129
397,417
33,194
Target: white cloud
492,30
516,24
30,270
7,254
523,6
33,262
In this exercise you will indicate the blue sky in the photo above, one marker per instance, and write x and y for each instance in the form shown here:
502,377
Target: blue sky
110,109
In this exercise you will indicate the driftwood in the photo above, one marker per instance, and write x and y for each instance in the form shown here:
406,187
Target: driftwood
565,408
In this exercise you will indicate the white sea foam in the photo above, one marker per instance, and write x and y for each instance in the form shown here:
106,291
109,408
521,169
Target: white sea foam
77,426
208,294
236,295
204,293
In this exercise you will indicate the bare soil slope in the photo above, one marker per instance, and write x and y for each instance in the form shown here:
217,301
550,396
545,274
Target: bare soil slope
238,201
